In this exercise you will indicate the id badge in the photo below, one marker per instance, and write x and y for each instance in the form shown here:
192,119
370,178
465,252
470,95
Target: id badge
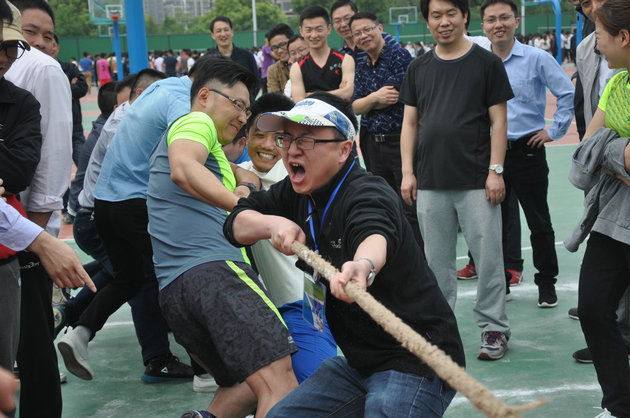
314,302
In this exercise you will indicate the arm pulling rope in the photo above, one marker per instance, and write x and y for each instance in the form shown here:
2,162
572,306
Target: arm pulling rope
439,361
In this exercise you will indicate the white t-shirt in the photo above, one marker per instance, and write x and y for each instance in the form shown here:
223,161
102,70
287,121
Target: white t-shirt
159,64
283,280
604,75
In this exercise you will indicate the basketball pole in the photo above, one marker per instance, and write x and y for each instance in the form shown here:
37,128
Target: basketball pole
136,36
116,46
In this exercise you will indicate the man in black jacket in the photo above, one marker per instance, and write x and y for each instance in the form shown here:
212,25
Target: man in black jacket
20,146
356,221
222,32
79,88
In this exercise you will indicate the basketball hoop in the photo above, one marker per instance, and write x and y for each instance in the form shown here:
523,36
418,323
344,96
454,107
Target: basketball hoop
114,16
404,22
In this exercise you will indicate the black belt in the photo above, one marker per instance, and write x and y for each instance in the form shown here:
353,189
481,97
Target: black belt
387,137
8,259
520,143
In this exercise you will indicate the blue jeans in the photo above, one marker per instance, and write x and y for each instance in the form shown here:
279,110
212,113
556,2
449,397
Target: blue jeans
338,390
151,328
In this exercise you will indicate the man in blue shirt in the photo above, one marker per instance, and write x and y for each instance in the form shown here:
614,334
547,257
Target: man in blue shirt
86,65
530,71
120,215
375,98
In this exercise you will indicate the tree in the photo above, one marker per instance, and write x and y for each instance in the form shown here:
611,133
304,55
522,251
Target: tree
240,13
171,25
151,26
72,18
268,15
379,7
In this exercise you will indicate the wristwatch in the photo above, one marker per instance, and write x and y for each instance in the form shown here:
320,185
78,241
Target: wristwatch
250,186
370,278
497,168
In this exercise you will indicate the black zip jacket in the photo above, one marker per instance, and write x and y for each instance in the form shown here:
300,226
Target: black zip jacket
20,136
366,205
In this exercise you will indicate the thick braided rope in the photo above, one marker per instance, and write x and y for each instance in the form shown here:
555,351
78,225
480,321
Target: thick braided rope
439,361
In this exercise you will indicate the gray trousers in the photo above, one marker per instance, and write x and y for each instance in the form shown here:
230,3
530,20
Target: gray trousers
439,214
10,313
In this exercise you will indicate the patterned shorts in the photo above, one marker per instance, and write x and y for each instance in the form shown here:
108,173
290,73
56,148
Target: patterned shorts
219,312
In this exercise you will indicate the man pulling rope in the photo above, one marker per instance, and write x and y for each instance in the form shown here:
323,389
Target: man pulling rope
356,221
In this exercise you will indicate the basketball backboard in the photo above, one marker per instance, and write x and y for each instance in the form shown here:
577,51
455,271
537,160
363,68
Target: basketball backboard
101,11
403,15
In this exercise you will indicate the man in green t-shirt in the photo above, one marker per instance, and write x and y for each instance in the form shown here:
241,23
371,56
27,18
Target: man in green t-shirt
209,294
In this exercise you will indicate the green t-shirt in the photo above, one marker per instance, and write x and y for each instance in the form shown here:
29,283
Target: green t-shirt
199,127
195,126
186,232
616,103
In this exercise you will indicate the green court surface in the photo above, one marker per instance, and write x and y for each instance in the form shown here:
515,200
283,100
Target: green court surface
538,363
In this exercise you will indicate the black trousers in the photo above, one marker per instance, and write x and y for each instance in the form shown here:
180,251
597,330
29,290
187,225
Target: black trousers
604,277
526,175
383,159
40,390
123,229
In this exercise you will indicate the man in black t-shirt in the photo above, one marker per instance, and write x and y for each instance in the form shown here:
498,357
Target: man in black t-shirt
455,120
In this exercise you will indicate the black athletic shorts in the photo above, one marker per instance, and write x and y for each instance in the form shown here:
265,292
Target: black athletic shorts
219,312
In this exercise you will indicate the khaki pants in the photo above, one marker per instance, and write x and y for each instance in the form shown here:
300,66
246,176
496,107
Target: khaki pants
88,79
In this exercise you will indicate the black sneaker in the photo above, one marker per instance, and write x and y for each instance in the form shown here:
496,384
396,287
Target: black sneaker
584,355
573,314
167,369
197,414
547,296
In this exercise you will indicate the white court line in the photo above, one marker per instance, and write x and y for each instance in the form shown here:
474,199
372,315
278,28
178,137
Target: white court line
465,257
530,394
117,324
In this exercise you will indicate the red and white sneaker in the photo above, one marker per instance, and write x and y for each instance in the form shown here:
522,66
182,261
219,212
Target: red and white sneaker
517,277
467,273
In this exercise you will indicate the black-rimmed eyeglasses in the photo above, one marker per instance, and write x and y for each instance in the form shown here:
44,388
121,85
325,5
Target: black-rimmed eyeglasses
278,47
13,50
304,143
239,105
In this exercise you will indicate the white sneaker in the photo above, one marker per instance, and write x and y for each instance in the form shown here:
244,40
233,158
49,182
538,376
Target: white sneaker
204,383
57,295
75,355
63,378
605,414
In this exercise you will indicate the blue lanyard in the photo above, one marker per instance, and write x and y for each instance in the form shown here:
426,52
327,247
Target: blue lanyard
330,200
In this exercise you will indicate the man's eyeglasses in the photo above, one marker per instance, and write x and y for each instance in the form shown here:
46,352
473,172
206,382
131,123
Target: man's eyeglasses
503,19
367,30
240,106
281,45
13,50
304,143
300,52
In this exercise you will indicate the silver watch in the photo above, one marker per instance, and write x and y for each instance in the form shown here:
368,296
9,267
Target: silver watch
372,275
497,168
